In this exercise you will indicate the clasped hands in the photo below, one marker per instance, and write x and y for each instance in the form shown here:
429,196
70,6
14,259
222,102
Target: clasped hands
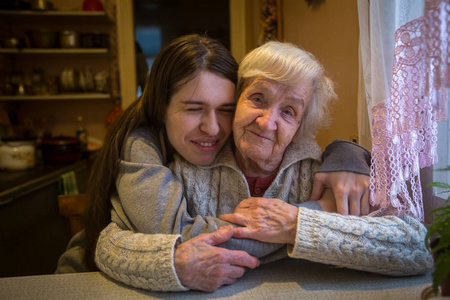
200,265
275,221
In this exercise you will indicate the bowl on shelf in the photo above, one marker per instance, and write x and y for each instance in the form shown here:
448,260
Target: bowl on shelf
42,38
61,150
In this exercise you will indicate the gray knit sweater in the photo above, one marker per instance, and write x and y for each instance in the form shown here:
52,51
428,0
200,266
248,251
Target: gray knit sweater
387,245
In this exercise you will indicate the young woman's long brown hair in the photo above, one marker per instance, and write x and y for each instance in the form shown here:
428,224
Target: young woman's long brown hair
175,65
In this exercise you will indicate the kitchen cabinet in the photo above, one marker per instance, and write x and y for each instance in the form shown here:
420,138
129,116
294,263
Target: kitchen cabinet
33,233
86,68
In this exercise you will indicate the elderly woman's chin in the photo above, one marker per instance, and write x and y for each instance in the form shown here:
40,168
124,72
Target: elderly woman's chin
256,159
257,152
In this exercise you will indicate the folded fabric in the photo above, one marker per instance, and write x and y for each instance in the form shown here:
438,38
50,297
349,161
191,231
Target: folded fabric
68,184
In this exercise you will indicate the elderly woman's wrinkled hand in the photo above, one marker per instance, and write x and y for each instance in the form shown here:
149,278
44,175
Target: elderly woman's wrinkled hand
266,220
202,266
351,191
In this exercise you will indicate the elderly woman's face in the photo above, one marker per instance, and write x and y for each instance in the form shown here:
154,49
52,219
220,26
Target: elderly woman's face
267,117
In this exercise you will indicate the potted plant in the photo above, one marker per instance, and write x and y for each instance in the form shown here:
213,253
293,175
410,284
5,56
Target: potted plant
439,236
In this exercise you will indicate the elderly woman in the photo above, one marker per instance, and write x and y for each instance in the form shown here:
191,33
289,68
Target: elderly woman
283,97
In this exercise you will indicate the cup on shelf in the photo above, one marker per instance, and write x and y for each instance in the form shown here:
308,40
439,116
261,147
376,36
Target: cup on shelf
101,82
11,43
68,83
41,5
68,39
94,40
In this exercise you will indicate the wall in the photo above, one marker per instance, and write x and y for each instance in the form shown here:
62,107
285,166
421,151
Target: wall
330,31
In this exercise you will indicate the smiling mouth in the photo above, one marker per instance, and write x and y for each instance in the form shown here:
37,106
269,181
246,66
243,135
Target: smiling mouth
203,144
206,144
260,136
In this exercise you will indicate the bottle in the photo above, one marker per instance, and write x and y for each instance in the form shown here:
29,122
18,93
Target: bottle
82,133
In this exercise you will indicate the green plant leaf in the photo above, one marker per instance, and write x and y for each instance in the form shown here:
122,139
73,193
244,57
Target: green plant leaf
440,185
444,241
442,209
443,185
442,269
435,228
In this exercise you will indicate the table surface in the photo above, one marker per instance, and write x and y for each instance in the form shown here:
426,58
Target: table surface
286,279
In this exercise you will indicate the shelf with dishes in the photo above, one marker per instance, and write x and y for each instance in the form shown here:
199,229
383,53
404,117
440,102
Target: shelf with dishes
74,50
70,84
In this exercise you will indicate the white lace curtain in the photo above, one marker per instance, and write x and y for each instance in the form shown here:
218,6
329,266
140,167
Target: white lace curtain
404,57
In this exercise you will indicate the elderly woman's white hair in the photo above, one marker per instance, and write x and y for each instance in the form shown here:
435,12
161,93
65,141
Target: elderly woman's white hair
287,64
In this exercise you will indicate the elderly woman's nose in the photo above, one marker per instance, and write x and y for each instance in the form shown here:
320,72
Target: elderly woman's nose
209,124
268,119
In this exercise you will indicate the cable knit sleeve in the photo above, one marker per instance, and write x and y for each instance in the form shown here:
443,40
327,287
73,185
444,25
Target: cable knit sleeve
140,260
387,245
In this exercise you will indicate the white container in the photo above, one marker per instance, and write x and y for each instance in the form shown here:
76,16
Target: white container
17,155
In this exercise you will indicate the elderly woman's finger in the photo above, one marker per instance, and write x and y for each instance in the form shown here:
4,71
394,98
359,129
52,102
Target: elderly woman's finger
240,259
221,235
235,218
243,233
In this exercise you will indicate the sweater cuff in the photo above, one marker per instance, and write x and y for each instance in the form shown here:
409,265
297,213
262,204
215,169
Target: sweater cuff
313,205
304,239
141,260
346,156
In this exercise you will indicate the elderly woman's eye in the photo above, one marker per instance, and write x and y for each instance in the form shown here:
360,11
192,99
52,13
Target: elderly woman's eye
289,112
256,99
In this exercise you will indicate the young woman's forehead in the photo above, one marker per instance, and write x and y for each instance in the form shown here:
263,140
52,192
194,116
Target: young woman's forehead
207,89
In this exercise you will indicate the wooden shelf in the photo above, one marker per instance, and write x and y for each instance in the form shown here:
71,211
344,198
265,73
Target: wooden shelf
26,14
54,51
78,96
52,13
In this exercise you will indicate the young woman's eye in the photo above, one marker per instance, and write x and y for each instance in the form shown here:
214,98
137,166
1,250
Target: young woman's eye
227,110
193,109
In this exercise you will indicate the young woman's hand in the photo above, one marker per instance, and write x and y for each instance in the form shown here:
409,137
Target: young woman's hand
266,220
202,266
327,201
351,191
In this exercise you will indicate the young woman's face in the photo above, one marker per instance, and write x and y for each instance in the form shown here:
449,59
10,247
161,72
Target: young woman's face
199,117
268,116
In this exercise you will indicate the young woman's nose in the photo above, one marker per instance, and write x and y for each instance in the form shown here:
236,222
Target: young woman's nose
268,119
209,124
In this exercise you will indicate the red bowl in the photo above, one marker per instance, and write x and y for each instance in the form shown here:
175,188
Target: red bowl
61,150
